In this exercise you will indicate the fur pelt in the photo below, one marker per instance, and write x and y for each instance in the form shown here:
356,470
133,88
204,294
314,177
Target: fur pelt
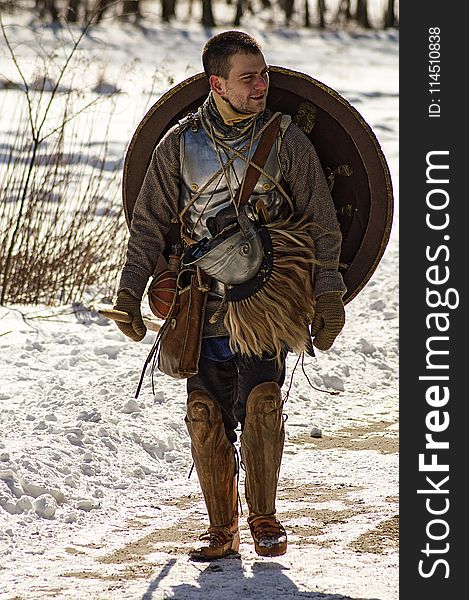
278,314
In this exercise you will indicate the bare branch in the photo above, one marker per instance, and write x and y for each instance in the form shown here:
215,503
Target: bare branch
25,83
62,73
69,119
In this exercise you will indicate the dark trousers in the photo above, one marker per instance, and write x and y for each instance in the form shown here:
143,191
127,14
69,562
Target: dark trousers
230,382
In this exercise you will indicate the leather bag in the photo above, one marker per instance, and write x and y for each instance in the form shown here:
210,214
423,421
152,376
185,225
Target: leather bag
181,338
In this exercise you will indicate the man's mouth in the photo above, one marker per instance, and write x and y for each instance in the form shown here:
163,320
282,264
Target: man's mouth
260,97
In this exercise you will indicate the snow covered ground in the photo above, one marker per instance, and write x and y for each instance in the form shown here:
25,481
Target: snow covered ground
95,499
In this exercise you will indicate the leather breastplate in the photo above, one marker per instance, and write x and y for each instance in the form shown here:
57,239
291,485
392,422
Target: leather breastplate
200,161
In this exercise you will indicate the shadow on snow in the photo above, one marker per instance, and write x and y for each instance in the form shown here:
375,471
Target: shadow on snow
227,579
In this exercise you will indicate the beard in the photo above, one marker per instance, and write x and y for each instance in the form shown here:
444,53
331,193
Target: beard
247,106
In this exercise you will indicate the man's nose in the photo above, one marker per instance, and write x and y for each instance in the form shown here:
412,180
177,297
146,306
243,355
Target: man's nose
261,82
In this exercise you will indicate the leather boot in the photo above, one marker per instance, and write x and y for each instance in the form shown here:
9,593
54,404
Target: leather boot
261,451
215,463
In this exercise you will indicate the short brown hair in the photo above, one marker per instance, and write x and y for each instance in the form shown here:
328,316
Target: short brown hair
221,47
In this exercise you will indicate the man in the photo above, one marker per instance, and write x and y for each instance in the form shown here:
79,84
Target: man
242,363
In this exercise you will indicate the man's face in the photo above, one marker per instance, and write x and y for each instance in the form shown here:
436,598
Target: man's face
247,84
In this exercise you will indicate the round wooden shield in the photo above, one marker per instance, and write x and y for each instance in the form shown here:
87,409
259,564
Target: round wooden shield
350,154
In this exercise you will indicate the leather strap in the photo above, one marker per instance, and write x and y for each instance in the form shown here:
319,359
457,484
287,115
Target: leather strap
260,156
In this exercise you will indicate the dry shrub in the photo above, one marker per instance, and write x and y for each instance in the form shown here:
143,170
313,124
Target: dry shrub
60,221
62,227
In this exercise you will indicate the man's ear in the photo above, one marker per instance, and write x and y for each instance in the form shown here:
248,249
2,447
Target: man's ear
215,84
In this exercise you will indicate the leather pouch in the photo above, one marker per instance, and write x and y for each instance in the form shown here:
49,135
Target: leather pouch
180,343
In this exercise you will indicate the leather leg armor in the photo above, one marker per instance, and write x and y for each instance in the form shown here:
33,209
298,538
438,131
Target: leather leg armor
261,450
215,463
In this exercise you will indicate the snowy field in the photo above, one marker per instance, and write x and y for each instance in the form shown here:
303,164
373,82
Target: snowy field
95,499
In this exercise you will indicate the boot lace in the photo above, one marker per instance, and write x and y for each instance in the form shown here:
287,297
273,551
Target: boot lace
216,536
267,528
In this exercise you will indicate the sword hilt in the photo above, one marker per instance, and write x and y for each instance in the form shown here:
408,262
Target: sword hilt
116,315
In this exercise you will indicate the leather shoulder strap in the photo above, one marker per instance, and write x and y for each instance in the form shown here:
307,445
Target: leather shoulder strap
260,156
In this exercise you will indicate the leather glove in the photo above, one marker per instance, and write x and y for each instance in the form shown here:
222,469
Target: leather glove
329,319
135,330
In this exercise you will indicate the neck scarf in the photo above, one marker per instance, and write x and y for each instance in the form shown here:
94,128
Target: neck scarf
229,115
238,124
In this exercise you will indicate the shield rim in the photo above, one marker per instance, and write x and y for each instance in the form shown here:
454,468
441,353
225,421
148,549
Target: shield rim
273,69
